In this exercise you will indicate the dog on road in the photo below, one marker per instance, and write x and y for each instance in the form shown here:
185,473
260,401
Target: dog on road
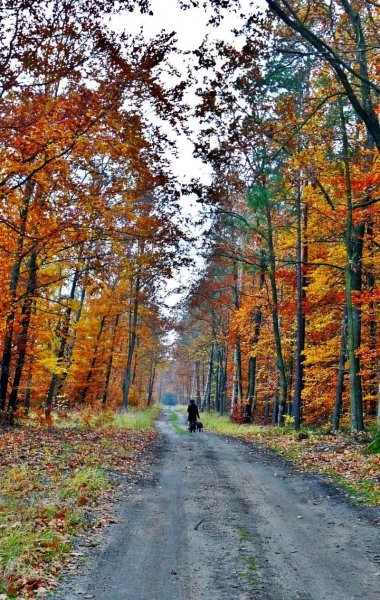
199,425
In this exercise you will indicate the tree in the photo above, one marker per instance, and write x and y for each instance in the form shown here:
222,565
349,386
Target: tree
297,151
83,182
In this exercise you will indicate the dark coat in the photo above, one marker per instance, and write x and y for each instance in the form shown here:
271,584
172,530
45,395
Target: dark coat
192,410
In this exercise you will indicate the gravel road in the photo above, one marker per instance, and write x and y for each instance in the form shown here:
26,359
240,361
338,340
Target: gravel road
221,519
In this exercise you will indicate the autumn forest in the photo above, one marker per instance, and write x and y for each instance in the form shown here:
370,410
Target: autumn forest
189,222
281,323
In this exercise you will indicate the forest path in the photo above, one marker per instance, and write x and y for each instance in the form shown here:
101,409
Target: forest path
223,520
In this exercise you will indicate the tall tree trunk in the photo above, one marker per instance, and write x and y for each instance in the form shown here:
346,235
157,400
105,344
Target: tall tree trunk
63,334
70,346
275,408
217,378
152,377
267,407
359,230
135,362
239,372
26,313
222,380
234,391
353,274
160,391
302,257
236,288
197,383
28,387
252,361
189,388
207,393
15,275
275,318
110,360
373,378
133,319
222,387
341,372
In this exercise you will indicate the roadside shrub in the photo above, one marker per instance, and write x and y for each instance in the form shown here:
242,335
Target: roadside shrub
240,413
374,446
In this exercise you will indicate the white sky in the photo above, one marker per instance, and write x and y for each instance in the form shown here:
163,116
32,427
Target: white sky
191,28
190,25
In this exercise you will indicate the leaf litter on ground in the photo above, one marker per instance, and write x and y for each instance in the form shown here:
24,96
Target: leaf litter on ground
55,485
340,458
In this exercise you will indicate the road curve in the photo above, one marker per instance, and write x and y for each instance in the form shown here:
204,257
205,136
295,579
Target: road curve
223,520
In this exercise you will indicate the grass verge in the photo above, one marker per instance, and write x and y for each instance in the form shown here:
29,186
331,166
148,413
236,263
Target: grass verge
340,456
89,419
174,422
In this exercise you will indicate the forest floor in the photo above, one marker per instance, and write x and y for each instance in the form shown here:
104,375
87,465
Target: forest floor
59,482
220,518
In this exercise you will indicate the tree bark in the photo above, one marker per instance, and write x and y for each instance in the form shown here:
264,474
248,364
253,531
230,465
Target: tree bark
152,378
341,373
13,284
372,326
207,393
110,361
197,383
275,319
63,343
26,313
353,274
275,409
83,394
133,319
222,386
236,288
28,390
302,258
252,362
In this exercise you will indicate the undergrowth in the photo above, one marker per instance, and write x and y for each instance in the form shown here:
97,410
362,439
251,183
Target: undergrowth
105,419
374,446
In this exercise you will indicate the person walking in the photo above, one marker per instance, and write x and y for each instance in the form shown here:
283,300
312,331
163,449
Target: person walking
192,415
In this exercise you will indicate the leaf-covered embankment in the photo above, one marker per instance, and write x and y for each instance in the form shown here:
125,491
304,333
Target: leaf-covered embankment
57,483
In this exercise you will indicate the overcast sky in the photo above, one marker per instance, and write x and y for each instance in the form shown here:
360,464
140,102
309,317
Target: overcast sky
191,27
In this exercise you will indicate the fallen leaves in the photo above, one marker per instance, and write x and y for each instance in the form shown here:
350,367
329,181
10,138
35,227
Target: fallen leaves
55,485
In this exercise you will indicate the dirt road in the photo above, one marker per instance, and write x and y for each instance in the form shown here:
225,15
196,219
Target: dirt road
223,520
